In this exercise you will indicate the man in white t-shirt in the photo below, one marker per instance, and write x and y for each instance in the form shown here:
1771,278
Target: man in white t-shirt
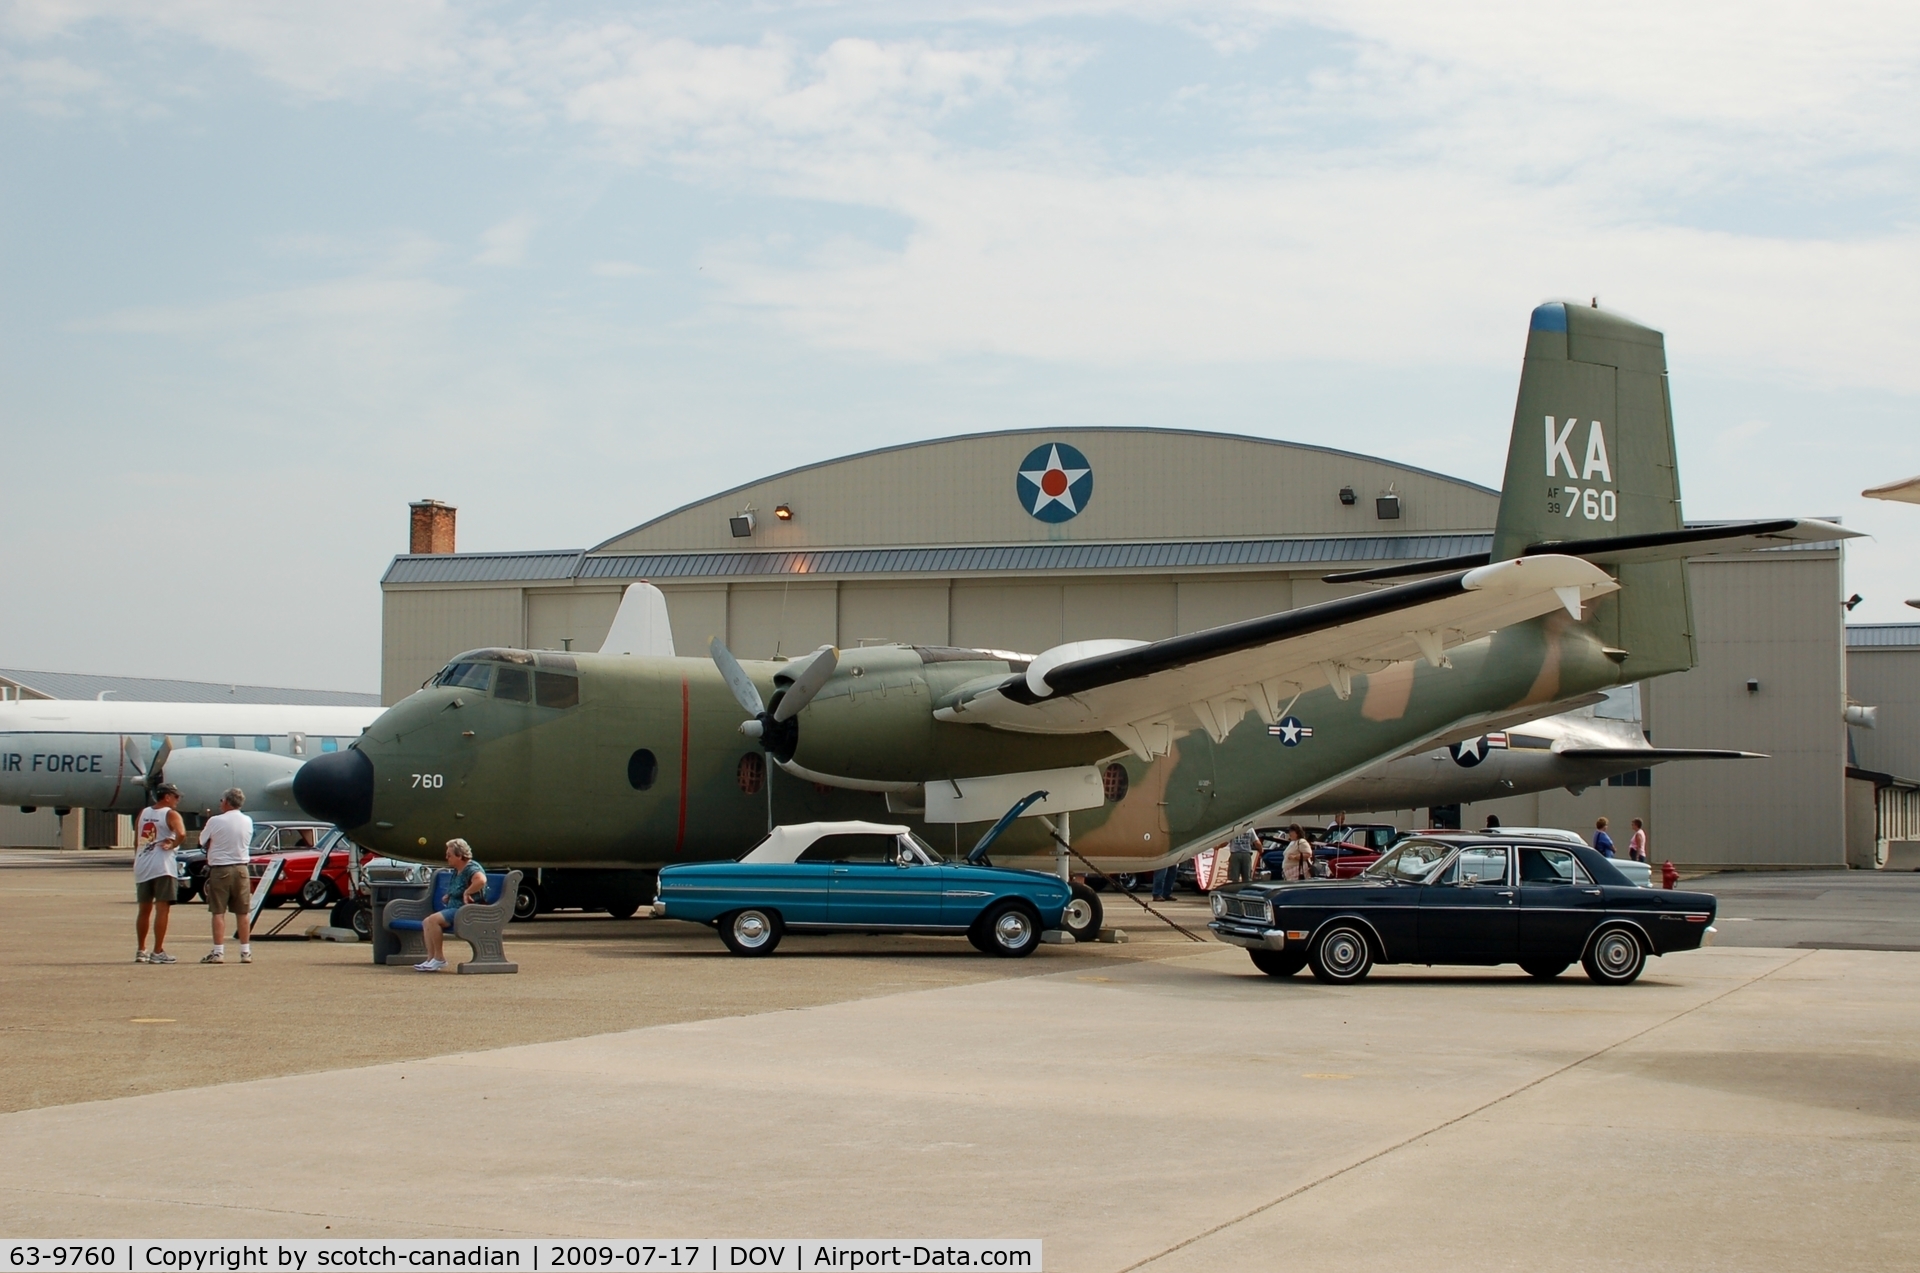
157,833
228,840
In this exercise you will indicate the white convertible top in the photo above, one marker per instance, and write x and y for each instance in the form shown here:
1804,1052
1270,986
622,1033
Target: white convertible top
786,844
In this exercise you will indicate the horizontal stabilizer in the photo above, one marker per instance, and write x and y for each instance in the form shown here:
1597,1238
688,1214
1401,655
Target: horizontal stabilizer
1619,550
1657,755
1906,491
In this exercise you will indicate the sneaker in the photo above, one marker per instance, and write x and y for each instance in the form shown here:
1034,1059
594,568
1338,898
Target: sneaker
246,956
161,957
139,956
431,965
213,957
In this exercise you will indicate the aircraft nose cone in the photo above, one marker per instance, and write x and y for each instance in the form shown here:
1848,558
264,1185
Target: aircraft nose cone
337,787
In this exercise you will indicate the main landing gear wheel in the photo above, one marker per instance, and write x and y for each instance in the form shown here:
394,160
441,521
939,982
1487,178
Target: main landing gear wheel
1010,930
1279,963
316,895
1341,955
1614,958
350,913
751,932
526,903
623,909
1543,969
1083,914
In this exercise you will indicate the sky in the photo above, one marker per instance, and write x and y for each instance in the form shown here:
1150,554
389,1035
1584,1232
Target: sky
270,270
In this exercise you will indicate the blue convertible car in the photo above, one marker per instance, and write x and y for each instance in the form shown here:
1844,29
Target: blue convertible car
863,877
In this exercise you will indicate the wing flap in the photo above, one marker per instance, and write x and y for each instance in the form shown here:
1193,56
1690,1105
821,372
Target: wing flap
1262,664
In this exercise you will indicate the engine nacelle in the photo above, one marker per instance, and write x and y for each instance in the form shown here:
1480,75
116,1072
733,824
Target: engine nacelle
204,774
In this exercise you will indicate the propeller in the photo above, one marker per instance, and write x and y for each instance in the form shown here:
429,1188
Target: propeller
775,729
156,768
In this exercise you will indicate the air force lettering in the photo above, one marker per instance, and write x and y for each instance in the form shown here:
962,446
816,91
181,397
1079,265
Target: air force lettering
1055,482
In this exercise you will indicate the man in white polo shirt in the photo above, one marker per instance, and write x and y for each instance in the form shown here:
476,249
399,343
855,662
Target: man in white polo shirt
228,839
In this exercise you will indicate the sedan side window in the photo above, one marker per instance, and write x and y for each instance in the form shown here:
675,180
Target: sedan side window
1549,866
1480,864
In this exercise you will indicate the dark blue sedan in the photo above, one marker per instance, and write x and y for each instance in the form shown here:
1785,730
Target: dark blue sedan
1464,898
862,877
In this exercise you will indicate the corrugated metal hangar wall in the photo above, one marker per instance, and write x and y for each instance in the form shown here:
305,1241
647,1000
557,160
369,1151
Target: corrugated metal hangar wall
1170,531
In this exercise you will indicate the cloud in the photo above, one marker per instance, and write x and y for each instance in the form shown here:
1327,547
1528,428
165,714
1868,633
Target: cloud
506,243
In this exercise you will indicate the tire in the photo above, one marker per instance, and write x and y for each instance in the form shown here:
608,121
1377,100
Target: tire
1279,963
1543,969
1010,930
623,910
1083,914
752,931
317,895
1340,955
1614,957
526,903
363,922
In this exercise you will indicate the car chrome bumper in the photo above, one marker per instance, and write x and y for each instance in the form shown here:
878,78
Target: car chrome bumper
1250,938
1706,938
658,910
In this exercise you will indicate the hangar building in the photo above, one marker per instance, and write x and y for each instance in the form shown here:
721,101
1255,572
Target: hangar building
1024,539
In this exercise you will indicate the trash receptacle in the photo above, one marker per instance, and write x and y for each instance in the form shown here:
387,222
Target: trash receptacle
398,885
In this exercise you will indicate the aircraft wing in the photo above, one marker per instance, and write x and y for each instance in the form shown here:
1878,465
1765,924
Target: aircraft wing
1132,688
1907,491
1655,755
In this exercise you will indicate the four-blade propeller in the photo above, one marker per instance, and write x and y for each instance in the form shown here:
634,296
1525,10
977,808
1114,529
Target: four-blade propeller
157,767
775,728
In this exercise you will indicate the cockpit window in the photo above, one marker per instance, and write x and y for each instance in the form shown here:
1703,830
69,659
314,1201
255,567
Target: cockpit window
513,684
551,689
469,676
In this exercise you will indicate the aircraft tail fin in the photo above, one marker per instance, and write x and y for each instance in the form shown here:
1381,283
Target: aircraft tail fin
1592,457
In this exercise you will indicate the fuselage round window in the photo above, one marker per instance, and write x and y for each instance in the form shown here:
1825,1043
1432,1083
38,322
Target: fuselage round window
642,770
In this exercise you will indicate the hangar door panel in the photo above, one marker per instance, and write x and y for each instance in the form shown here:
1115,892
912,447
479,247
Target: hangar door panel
787,619
1139,611
696,615
879,614
1209,603
421,629
1023,617
574,615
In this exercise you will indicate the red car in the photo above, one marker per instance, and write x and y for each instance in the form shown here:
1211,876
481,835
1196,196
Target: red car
301,846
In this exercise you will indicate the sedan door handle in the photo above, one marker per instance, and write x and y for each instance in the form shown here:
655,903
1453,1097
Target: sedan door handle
1506,892
1591,892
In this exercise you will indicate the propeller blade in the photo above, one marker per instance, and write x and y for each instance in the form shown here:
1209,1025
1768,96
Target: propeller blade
814,675
736,678
156,768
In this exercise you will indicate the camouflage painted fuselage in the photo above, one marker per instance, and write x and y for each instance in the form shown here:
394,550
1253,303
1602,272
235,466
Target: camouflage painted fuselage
647,767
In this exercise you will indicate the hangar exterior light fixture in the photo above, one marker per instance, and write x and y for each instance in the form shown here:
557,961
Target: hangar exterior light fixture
1347,496
1387,507
1753,686
783,512
741,524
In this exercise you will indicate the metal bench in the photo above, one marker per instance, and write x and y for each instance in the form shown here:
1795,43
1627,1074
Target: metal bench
479,924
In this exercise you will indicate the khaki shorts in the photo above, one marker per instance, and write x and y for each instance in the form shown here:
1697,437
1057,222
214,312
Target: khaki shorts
164,889
229,889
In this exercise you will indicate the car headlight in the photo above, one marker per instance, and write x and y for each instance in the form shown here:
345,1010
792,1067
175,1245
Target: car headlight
1219,905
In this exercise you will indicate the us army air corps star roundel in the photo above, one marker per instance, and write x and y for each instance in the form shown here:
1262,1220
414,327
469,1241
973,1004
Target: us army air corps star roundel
1055,482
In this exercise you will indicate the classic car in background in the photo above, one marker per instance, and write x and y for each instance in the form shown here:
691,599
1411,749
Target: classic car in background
315,873
1463,898
860,877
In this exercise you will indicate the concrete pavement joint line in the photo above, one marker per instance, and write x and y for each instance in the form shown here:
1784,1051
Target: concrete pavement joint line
1458,1118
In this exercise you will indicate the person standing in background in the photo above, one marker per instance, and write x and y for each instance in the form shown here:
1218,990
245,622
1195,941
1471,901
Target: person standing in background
1601,840
156,835
1297,862
1637,842
228,837
1240,856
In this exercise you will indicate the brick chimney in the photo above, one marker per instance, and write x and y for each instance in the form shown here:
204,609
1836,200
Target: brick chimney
431,528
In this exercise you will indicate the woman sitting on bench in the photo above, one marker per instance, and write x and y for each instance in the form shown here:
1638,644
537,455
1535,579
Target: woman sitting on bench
469,885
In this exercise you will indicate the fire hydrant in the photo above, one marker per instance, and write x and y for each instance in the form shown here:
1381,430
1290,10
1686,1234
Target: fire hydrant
1668,876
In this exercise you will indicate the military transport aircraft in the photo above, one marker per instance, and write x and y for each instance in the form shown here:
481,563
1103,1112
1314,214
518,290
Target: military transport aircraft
1575,749
1155,749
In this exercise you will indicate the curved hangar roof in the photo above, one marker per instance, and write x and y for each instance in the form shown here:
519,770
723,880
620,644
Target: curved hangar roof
1040,486
1031,499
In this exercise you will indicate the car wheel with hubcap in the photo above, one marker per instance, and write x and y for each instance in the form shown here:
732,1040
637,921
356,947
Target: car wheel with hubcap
1543,969
1083,914
1614,957
751,932
316,894
1340,955
1010,930
1279,963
